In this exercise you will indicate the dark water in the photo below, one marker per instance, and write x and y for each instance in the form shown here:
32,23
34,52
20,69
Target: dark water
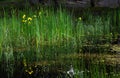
58,68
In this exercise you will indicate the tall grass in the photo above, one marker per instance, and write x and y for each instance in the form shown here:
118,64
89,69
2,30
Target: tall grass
45,28
94,32
46,34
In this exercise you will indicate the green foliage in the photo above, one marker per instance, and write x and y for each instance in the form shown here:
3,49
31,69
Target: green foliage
45,34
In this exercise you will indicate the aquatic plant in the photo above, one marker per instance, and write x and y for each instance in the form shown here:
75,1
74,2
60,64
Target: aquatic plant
48,35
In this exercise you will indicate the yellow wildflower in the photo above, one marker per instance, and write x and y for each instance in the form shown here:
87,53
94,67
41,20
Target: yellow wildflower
30,72
24,16
24,21
80,18
29,19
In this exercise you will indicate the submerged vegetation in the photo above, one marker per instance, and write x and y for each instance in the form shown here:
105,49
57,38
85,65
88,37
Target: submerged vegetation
32,42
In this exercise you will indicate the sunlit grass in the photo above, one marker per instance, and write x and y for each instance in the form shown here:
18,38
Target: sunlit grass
46,34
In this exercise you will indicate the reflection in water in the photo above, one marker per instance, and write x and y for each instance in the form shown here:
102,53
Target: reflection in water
71,72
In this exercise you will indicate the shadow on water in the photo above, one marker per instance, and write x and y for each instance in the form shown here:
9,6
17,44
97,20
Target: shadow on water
84,65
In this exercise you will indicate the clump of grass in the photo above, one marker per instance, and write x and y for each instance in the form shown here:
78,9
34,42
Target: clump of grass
95,33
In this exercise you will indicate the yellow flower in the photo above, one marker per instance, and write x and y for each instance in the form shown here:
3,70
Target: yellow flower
24,21
30,72
24,16
80,18
29,19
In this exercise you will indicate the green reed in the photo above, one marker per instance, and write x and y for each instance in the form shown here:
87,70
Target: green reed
54,30
46,34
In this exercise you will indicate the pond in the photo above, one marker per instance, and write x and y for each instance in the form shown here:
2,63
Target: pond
73,65
49,43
